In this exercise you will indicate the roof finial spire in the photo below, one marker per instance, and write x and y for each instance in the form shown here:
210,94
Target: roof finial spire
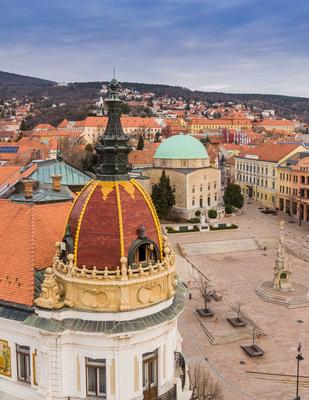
113,148
114,72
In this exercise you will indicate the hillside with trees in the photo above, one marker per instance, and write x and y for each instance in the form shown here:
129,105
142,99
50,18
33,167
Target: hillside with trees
79,97
7,78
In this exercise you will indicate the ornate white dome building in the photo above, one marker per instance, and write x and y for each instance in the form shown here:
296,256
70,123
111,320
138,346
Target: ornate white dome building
104,324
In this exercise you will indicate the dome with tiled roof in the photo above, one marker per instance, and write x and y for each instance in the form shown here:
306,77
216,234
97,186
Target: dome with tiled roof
108,220
113,256
113,214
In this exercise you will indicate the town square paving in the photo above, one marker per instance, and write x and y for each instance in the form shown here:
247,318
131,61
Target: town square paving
239,271
219,246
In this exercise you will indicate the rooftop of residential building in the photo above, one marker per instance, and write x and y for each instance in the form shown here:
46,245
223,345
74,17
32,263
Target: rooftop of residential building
28,236
269,151
145,156
70,175
297,160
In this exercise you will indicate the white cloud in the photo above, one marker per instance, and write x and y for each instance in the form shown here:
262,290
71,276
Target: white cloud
176,42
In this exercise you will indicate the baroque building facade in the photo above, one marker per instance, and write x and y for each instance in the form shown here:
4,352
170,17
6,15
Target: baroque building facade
103,320
256,170
293,186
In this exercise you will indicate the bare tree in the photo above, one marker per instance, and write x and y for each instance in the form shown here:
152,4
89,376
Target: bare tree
72,152
206,289
209,290
237,307
254,334
203,386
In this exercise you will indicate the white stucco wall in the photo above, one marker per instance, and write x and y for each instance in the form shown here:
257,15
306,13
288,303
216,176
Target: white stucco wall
60,361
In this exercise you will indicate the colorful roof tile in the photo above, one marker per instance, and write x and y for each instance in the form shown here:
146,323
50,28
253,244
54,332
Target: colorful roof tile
270,151
28,236
104,222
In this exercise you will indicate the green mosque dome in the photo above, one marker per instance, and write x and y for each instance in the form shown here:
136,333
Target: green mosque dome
181,147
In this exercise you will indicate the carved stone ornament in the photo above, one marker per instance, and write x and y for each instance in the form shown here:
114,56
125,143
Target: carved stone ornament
94,298
149,293
50,292
123,288
282,274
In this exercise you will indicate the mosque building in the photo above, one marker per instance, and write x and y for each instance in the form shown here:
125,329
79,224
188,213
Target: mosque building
196,184
102,321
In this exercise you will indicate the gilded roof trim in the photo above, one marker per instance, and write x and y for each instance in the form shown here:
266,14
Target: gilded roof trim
120,220
153,213
73,204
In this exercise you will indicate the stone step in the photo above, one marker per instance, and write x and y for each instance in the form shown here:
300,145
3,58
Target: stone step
228,337
273,299
293,302
297,250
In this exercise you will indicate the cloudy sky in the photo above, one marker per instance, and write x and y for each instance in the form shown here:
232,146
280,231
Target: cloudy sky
215,45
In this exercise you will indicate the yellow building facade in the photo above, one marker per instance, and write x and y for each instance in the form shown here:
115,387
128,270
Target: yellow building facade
257,172
293,187
199,125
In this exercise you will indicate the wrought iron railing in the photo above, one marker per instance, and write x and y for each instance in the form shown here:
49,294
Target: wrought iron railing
180,363
170,395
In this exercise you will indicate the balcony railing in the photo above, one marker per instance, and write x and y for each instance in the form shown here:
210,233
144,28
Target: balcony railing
170,395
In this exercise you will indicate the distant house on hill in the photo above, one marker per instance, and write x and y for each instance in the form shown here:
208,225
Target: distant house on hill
91,128
43,127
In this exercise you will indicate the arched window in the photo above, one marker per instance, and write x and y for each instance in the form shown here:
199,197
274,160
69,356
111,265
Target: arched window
67,244
143,250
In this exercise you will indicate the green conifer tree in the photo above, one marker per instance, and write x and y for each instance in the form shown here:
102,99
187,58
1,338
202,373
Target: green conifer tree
23,125
157,137
163,196
232,196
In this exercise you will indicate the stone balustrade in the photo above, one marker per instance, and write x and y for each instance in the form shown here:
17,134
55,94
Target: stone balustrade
122,272
121,289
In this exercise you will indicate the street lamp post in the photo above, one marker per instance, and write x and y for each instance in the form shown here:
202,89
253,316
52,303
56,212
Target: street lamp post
299,358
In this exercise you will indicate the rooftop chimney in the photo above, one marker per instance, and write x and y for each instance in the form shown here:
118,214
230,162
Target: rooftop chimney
56,182
28,188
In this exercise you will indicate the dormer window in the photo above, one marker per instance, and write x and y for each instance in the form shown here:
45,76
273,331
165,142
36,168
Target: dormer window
67,244
143,250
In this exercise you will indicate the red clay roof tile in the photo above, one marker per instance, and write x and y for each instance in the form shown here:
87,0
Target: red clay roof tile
28,235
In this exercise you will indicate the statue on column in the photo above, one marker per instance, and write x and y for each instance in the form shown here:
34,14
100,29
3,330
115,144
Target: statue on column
282,278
